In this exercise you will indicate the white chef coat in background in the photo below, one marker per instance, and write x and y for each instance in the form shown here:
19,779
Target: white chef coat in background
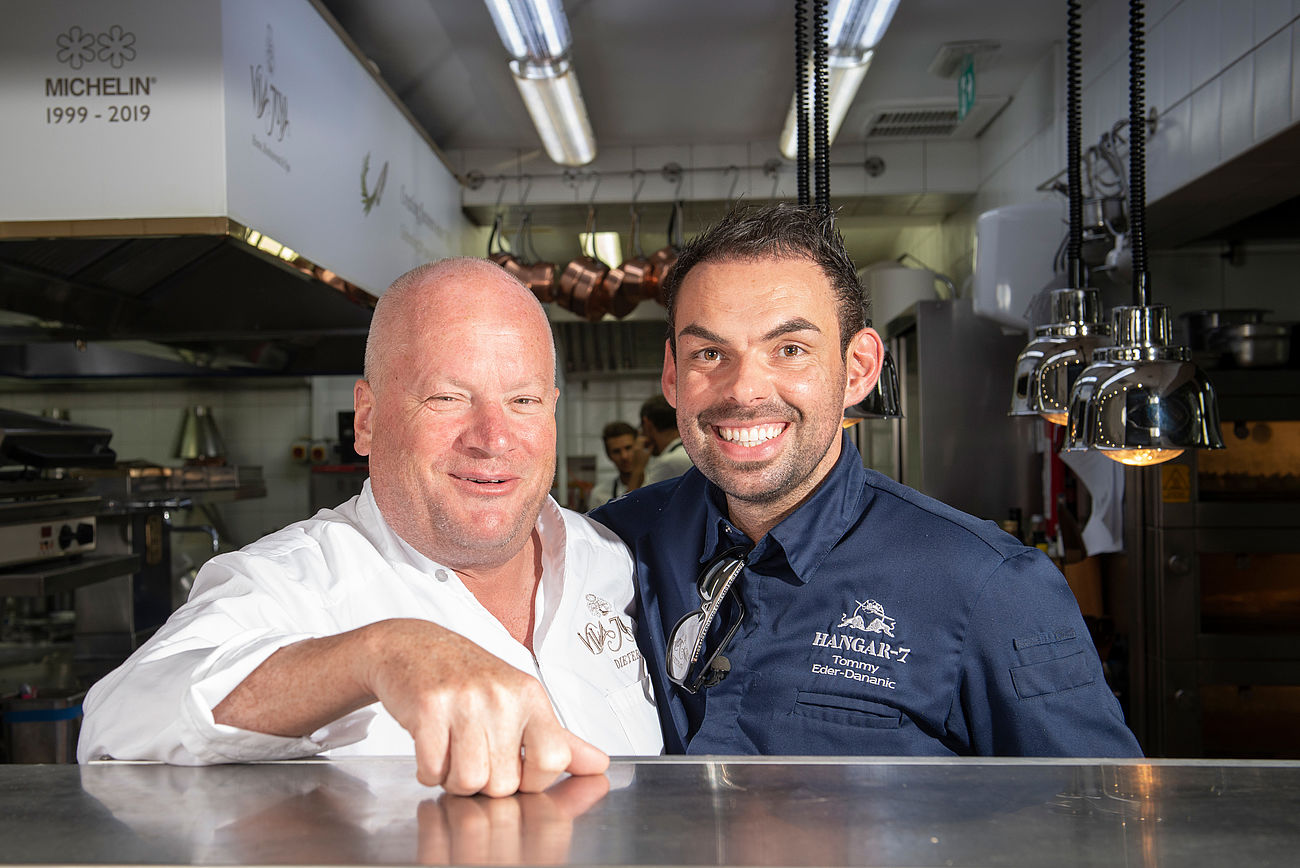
345,568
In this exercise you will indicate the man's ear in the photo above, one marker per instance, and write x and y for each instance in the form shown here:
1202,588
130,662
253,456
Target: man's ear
862,365
363,401
668,381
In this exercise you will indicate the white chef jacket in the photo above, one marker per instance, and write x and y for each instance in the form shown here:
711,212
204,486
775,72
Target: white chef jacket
345,568
673,461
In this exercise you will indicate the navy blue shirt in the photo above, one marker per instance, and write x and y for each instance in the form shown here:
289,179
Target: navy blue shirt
878,621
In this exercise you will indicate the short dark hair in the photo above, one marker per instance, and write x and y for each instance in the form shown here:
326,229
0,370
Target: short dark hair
780,231
618,428
660,413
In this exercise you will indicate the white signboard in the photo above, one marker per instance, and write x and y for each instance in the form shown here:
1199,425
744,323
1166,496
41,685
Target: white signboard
110,110
319,158
245,109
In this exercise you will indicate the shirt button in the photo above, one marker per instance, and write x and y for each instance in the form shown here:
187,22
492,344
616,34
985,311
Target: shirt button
442,575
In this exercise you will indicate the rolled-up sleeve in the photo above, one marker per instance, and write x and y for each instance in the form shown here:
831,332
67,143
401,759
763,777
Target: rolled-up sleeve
158,704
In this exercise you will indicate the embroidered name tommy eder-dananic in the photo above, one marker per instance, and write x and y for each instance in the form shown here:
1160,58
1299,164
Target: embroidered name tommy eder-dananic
869,617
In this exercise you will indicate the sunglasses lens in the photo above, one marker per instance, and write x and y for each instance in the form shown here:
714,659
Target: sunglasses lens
685,641
715,581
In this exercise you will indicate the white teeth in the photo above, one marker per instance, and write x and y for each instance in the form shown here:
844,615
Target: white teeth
750,436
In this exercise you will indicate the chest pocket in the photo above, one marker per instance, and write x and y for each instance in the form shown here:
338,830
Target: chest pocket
847,710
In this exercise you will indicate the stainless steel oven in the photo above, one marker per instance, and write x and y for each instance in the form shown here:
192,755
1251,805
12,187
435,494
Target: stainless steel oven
1216,574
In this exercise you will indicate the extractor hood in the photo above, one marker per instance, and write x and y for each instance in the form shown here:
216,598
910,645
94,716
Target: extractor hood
195,297
220,187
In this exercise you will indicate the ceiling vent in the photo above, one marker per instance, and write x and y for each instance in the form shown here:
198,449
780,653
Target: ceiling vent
935,119
950,59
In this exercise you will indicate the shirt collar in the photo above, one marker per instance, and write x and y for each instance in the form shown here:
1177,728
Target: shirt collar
550,527
806,536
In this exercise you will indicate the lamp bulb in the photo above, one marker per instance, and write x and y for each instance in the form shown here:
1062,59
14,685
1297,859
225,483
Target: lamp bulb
1142,457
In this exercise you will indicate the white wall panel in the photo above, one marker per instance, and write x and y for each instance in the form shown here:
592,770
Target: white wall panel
110,111
1236,121
1272,97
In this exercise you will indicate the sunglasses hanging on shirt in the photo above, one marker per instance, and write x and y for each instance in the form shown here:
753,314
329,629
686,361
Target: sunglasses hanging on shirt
688,666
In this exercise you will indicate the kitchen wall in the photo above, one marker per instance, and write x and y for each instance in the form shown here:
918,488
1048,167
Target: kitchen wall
1223,76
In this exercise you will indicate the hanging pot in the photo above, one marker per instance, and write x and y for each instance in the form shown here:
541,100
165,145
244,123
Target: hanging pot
496,250
663,258
537,275
581,286
626,284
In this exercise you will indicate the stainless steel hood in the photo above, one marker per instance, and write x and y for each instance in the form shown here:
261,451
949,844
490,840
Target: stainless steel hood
183,297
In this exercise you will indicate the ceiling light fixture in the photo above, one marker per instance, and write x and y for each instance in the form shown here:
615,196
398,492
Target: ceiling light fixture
536,35
1142,401
854,28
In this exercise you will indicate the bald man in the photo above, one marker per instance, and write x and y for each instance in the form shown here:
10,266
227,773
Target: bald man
317,638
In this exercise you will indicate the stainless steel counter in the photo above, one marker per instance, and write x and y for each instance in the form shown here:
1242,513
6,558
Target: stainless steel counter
663,812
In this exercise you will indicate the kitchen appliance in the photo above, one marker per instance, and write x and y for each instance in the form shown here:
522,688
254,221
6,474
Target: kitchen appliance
50,550
199,441
1214,577
47,512
955,441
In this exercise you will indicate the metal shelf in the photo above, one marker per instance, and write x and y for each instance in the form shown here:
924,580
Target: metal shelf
55,577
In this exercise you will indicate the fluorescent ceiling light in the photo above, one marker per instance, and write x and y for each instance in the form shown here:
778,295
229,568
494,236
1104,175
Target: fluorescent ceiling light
531,29
536,34
842,86
854,28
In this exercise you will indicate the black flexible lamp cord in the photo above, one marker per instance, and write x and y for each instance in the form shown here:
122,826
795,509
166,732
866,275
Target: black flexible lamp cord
801,100
1137,179
821,117
1074,136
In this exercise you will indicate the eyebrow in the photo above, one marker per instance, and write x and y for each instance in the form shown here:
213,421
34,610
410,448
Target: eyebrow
798,324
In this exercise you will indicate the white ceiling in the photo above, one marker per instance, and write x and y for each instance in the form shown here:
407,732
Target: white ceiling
669,72
673,72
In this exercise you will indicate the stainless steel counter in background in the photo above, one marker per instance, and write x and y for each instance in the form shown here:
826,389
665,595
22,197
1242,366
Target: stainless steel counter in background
663,811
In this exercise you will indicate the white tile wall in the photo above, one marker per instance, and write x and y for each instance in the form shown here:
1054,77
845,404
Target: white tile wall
589,405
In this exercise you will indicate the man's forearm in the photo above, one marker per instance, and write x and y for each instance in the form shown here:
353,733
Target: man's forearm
302,687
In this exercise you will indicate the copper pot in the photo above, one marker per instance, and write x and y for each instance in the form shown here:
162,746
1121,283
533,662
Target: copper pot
496,250
540,278
535,274
626,285
582,290
664,258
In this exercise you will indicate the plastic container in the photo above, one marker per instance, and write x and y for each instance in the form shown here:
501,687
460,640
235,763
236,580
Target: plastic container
43,729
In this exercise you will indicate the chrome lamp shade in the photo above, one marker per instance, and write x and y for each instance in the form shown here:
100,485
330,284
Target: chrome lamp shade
1142,402
1049,364
884,401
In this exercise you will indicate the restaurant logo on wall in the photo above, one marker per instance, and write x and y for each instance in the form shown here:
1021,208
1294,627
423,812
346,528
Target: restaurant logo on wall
369,199
270,104
87,53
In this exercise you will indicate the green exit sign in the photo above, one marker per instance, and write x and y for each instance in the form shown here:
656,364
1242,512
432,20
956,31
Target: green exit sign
966,88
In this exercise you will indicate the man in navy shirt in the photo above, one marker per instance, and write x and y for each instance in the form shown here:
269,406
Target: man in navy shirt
793,602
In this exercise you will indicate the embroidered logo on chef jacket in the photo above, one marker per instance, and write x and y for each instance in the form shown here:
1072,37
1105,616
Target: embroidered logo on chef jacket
863,658
609,632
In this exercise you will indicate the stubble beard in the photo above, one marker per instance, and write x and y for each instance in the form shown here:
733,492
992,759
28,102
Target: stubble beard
778,476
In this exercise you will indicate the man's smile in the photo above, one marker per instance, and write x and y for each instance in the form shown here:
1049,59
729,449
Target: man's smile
751,436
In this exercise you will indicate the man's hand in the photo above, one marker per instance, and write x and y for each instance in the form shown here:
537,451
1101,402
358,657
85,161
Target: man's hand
536,828
471,716
479,724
